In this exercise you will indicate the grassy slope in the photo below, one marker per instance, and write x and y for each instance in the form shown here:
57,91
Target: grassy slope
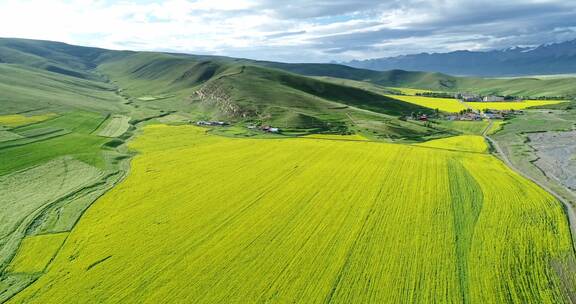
144,74
274,85
43,54
26,191
115,126
519,87
16,120
368,86
172,80
74,138
259,240
465,127
271,96
51,56
438,81
160,74
25,89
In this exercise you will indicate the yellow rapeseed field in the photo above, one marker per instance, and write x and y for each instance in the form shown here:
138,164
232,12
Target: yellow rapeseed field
512,105
336,136
208,219
16,120
443,104
468,143
452,105
35,253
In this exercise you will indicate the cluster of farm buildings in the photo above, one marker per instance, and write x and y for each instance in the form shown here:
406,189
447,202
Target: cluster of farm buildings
477,115
211,123
469,115
468,97
265,128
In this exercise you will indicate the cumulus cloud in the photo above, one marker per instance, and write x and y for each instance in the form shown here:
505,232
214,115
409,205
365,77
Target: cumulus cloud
297,30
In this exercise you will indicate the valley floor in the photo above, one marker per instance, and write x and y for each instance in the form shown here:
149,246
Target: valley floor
209,219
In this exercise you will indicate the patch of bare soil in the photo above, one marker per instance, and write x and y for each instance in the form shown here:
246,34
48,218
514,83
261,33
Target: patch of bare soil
556,153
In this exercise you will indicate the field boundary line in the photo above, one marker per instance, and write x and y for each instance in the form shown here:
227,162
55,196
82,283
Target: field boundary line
101,123
383,142
568,208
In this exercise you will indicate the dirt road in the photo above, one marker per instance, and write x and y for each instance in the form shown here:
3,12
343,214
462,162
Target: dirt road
569,209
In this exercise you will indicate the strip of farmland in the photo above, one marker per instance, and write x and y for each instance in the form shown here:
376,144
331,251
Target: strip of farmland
115,126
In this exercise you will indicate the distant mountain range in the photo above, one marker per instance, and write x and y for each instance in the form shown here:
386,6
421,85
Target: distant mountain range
557,58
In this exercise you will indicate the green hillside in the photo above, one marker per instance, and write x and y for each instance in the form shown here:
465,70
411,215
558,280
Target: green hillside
393,78
75,61
158,82
55,57
26,89
223,89
340,99
533,87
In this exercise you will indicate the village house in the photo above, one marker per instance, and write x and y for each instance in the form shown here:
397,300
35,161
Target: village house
471,116
494,115
500,114
468,97
492,98
270,129
211,123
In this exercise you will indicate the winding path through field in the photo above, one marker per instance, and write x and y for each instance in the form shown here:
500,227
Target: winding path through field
487,129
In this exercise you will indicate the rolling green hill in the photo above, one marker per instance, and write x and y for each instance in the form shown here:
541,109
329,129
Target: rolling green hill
55,57
228,90
203,87
250,87
532,87
26,89
77,61
59,77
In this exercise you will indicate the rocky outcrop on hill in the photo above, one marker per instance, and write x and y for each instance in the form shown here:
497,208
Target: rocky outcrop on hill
218,95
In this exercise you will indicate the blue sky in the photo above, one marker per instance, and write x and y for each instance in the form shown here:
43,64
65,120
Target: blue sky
293,31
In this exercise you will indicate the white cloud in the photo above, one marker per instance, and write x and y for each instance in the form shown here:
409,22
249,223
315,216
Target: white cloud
299,31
